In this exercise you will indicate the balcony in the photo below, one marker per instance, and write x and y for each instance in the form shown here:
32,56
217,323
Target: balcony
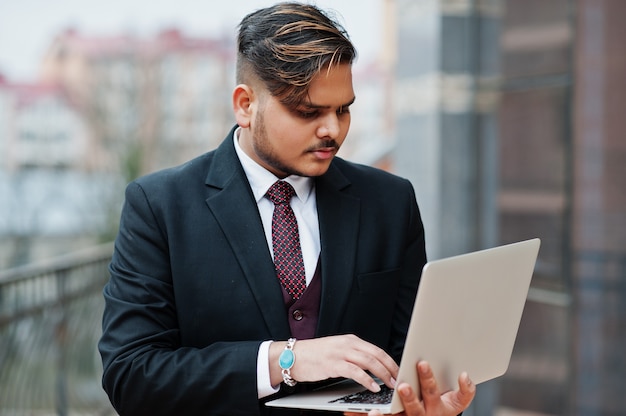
50,321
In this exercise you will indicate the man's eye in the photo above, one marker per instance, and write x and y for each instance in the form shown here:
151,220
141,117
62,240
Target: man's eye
307,114
343,110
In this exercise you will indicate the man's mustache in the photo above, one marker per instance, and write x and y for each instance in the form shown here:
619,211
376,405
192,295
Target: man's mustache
325,145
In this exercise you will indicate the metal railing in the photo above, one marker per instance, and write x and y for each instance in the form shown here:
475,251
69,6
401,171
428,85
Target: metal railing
50,322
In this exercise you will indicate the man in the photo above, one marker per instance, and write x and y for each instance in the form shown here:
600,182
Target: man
201,316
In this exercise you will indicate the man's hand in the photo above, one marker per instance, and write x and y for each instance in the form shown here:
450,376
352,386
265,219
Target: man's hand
433,403
337,356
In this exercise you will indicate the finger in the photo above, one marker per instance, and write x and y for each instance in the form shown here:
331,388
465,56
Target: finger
371,413
376,366
369,357
428,385
410,402
357,374
376,356
460,399
466,392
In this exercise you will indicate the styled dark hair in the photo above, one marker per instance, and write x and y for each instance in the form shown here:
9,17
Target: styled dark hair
287,45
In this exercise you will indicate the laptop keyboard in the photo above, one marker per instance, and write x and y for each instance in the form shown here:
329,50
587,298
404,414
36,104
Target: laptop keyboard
368,397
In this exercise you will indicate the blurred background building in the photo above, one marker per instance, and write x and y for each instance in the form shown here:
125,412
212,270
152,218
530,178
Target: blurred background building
506,115
508,123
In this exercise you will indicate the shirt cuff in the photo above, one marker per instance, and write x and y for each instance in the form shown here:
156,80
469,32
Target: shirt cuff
264,383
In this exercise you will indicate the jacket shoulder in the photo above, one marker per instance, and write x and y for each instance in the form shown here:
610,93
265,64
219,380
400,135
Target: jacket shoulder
194,168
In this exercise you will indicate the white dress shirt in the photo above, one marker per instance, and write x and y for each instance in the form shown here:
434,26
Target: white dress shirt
305,208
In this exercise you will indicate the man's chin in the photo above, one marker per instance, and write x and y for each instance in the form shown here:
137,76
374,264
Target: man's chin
310,168
318,170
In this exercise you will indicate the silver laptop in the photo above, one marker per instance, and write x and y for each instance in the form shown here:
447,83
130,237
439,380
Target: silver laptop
466,317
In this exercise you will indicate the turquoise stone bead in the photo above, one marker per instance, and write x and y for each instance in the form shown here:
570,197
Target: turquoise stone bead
286,359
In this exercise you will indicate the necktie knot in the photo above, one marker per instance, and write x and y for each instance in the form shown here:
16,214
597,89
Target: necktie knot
280,192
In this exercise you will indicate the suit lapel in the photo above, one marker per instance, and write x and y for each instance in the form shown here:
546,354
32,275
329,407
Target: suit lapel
232,203
338,215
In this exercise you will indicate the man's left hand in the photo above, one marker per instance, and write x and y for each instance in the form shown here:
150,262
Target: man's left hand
433,403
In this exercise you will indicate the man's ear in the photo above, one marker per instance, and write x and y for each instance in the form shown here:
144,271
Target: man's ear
243,103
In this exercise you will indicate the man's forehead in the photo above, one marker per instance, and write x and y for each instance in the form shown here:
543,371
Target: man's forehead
331,87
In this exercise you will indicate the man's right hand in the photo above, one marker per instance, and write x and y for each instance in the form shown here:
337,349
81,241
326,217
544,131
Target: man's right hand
336,356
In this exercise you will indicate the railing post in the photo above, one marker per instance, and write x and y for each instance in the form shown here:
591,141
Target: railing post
60,339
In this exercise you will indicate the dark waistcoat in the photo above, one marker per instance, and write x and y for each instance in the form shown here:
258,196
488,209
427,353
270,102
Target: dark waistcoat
304,312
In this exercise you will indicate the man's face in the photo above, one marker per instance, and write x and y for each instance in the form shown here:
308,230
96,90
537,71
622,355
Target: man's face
302,140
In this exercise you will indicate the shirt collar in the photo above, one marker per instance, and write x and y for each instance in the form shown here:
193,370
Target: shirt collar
261,179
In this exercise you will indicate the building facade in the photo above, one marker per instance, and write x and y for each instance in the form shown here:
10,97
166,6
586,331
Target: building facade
509,125
149,103
46,191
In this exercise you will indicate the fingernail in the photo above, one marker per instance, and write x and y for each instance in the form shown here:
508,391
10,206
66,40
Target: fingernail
393,382
405,391
375,387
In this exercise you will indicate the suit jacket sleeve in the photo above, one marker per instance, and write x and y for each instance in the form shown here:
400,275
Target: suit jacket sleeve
146,369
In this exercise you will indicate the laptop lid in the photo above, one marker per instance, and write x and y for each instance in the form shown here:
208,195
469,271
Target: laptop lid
466,317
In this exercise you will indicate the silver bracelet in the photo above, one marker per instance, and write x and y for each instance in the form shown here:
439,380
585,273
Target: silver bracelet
286,360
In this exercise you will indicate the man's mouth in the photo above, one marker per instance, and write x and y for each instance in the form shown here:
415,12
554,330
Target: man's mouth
325,150
325,153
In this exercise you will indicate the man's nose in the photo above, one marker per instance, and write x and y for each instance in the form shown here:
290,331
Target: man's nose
329,126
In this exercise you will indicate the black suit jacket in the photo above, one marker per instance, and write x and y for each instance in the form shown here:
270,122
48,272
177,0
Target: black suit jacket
193,291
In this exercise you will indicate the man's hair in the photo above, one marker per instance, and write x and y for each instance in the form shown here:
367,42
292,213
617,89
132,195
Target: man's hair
287,45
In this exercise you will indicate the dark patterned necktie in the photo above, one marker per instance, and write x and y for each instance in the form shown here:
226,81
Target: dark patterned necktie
286,240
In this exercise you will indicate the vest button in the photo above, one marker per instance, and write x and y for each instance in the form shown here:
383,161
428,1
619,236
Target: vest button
297,315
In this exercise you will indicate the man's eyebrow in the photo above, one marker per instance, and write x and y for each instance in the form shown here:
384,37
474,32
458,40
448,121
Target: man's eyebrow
319,106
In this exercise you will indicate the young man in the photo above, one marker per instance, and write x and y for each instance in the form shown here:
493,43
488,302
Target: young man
202,317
